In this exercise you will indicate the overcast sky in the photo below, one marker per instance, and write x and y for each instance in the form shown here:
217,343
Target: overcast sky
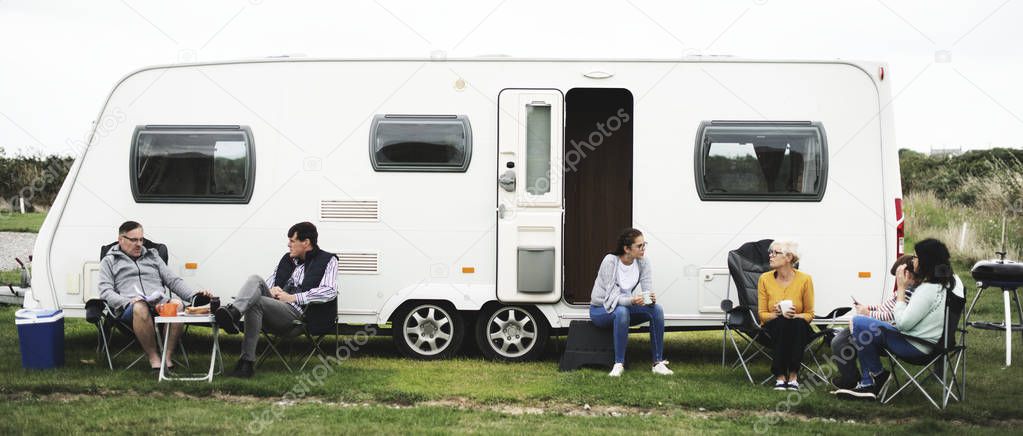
956,67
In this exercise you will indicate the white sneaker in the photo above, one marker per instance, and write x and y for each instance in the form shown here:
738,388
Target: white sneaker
617,370
662,368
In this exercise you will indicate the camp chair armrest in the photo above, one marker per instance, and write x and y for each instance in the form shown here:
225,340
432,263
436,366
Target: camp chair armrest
837,312
94,309
199,300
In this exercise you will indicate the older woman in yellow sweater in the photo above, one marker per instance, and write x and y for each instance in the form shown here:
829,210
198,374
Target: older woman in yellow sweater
785,303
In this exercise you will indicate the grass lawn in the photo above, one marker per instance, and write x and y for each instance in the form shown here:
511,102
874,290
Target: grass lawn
16,222
11,276
376,391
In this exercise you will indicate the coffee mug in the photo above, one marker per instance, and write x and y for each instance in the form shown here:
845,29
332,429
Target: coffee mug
167,309
214,304
785,305
647,298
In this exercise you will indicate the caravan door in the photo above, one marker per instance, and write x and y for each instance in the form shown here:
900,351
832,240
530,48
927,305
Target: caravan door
529,195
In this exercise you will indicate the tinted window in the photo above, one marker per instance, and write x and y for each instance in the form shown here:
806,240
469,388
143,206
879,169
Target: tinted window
192,164
761,161
420,143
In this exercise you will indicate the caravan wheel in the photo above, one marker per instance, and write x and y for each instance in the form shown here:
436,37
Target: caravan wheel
428,331
511,333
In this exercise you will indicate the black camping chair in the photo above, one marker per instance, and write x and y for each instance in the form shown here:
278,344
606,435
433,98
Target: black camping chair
745,265
942,364
105,318
318,321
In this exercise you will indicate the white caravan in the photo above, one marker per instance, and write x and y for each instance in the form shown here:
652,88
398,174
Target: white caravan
474,198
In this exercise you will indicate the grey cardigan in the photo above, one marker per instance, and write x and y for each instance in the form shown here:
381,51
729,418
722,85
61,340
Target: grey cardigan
606,291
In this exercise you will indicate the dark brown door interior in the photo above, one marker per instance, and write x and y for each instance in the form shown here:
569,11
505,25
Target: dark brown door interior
598,181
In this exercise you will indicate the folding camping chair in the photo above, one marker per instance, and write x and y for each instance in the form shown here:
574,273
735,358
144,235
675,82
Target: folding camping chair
318,321
946,363
745,265
105,318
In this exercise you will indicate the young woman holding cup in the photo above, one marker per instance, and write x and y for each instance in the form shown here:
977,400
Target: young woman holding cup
614,302
785,305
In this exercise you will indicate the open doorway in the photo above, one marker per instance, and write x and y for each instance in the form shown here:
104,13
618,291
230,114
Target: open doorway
598,181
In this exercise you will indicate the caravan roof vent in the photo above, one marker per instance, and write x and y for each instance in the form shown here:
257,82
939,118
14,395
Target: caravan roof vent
358,262
350,210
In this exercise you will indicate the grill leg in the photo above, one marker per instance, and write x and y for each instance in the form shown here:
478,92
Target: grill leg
1019,309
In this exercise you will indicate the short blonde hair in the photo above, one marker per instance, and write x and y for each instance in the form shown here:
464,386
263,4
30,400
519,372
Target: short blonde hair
788,247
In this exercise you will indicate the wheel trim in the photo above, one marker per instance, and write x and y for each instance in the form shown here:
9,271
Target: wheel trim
427,329
511,332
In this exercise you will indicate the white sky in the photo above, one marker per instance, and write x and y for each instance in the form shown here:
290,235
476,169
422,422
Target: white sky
59,59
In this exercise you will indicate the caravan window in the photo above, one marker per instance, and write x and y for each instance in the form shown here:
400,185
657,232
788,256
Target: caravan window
751,161
420,143
192,164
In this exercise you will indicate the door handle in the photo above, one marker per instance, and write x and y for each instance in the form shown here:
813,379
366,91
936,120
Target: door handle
501,210
507,181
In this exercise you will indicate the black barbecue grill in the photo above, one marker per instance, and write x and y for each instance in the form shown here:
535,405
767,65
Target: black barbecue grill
1004,274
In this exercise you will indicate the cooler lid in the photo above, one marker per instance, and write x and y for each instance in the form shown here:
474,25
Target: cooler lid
36,313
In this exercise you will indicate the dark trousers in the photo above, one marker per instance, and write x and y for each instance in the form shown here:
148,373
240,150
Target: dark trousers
789,337
844,352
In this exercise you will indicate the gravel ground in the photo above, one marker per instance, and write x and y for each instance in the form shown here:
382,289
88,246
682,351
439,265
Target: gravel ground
15,245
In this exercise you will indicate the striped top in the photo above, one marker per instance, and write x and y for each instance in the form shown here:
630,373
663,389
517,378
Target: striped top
326,291
886,310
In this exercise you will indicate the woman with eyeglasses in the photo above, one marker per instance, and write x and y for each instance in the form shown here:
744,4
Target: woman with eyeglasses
919,322
785,305
615,302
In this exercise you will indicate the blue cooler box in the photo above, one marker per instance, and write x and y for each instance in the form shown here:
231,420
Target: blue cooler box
41,336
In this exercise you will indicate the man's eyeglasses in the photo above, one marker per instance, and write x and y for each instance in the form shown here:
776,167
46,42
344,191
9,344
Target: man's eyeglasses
132,240
772,253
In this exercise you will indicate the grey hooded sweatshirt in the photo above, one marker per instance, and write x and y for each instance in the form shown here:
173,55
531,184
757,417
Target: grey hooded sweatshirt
122,278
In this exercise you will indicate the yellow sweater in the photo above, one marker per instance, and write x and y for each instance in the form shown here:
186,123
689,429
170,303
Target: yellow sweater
770,292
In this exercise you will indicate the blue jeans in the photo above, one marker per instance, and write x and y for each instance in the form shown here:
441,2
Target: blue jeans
625,316
870,335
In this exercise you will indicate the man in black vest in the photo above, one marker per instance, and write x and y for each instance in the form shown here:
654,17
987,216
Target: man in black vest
304,275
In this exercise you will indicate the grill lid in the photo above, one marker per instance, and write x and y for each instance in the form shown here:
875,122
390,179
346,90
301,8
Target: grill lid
998,273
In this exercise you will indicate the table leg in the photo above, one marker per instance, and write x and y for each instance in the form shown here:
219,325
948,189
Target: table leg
214,357
163,354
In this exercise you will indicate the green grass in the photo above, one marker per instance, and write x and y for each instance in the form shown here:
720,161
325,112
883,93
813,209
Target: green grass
12,276
16,222
469,394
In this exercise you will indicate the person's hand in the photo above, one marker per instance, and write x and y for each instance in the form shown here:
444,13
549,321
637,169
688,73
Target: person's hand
286,297
902,277
135,300
861,309
790,314
275,290
653,297
637,299
777,309
902,280
205,292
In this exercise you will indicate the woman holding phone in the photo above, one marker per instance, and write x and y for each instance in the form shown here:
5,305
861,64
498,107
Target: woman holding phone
785,306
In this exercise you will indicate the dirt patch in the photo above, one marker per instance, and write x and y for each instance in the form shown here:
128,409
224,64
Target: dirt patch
460,403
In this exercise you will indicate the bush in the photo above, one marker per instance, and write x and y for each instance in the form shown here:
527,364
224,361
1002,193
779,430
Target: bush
978,190
35,178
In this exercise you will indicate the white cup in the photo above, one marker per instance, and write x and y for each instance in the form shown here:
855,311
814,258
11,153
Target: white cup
647,299
785,305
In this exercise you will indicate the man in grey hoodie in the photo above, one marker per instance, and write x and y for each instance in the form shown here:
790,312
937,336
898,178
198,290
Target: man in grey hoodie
132,279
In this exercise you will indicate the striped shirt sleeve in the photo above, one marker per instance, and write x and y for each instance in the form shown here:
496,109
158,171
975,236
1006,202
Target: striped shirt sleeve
886,310
326,291
271,278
